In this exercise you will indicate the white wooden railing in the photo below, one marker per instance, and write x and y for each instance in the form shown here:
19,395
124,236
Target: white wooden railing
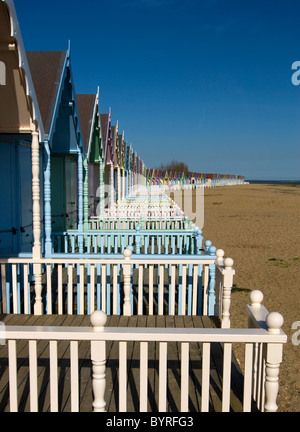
134,212
175,285
263,355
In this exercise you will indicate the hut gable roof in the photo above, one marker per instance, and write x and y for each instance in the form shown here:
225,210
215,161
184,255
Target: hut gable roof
86,109
104,130
46,70
53,81
104,122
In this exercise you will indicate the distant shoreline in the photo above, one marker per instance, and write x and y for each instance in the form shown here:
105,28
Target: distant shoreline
274,181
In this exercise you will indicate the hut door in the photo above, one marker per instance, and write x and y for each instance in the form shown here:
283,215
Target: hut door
8,199
25,188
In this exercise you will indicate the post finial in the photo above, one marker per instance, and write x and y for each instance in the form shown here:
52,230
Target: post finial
228,262
274,322
98,320
212,250
220,255
208,243
127,253
256,298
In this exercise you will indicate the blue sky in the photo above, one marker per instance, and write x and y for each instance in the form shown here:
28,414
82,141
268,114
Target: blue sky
204,82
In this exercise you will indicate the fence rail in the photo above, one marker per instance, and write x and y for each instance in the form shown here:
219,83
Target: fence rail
260,378
155,223
142,241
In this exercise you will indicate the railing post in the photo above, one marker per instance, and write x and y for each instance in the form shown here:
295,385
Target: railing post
207,244
219,283
36,211
186,223
227,286
127,284
86,195
274,322
80,200
256,298
137,239
220,257
38,308
212,283
101,190
199,239
98,357
47,197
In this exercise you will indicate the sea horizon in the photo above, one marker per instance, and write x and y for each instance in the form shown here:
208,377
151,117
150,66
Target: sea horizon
274,181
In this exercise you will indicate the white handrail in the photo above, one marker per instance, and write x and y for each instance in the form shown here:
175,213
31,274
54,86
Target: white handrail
267,333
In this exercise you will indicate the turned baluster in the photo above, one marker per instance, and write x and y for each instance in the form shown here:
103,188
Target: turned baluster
212,282
127,284
98,357
138,239
274,322
228,274
36,249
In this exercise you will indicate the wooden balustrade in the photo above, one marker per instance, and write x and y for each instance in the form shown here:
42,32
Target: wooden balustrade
158,284
261,371
187,241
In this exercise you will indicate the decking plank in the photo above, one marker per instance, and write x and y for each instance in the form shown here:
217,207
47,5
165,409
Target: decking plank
22,355
216,361
174,385
152,368
236,378
133,378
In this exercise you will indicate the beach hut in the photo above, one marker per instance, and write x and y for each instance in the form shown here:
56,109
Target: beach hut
120,168
21,143
115,146
88,106
130,170
166,179
127,169
64,148
149,177
108,154
153,177
122,144
136,171
175,178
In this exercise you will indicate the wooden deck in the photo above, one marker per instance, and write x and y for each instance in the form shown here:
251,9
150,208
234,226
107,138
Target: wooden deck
111,396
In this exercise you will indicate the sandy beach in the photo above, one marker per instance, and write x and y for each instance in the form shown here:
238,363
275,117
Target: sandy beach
258,226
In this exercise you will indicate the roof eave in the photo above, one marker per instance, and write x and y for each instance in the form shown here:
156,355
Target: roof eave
23,64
